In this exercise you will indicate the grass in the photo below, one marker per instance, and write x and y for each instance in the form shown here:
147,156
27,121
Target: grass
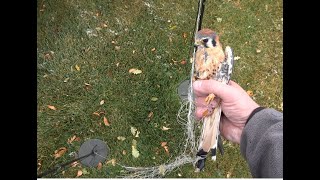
107,38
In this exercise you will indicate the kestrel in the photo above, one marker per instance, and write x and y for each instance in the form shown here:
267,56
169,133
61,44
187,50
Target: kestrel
211,62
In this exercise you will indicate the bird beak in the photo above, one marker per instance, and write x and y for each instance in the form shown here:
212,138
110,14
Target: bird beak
197,43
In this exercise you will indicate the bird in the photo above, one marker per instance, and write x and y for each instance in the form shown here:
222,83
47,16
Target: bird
211,62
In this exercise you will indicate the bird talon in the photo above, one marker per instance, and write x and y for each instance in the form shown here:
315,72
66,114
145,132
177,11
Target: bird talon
209,98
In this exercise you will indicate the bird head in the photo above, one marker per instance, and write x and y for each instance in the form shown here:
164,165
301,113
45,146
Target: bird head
206,38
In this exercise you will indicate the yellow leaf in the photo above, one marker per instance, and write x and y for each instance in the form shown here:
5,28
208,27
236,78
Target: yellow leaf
79,173
112,161
165,128
121,138
154,99
58,153
101,102
135,152
133,130
99,166
106,122
77,67
52,107
135,71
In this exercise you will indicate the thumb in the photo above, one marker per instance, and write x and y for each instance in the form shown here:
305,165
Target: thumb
205,87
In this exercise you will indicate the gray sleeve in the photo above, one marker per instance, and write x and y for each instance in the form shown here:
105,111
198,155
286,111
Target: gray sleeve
262,144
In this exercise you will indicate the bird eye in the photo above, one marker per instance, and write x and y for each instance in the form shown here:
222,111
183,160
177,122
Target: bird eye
205,40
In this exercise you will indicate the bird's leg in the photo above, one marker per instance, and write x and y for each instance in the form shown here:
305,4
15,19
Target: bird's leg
209,98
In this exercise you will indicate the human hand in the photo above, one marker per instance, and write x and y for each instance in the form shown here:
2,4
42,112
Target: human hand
236,105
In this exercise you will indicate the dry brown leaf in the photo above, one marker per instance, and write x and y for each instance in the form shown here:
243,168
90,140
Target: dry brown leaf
150,115
106,122
95,113
77,139
101,102
163,143
79,173
153,49
70,140
184,35
165,128
77,67
58,153
135,71
99,166
52,107
183,62
166,149
250,93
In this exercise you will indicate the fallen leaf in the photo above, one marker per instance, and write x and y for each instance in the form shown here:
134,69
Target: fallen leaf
101,102
70,140
135,71
133,130
58,153
150,115
133,51
117,64
183,62
170,39
98,28
184,35
117,48
153,49
74,164
77,67
137,135
163,143
52,107
179,174
173,27
99,166
135,152
124,152
154,99
95,113
250,93
65,80
77,139
112,161
134,142
104,25
219,19
87,84
258,51
121,138
162,170
106,122
79,173
165,128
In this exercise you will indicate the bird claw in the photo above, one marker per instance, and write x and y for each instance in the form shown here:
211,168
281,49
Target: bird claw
209,98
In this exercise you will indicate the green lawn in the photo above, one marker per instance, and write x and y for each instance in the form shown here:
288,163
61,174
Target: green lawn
85,50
